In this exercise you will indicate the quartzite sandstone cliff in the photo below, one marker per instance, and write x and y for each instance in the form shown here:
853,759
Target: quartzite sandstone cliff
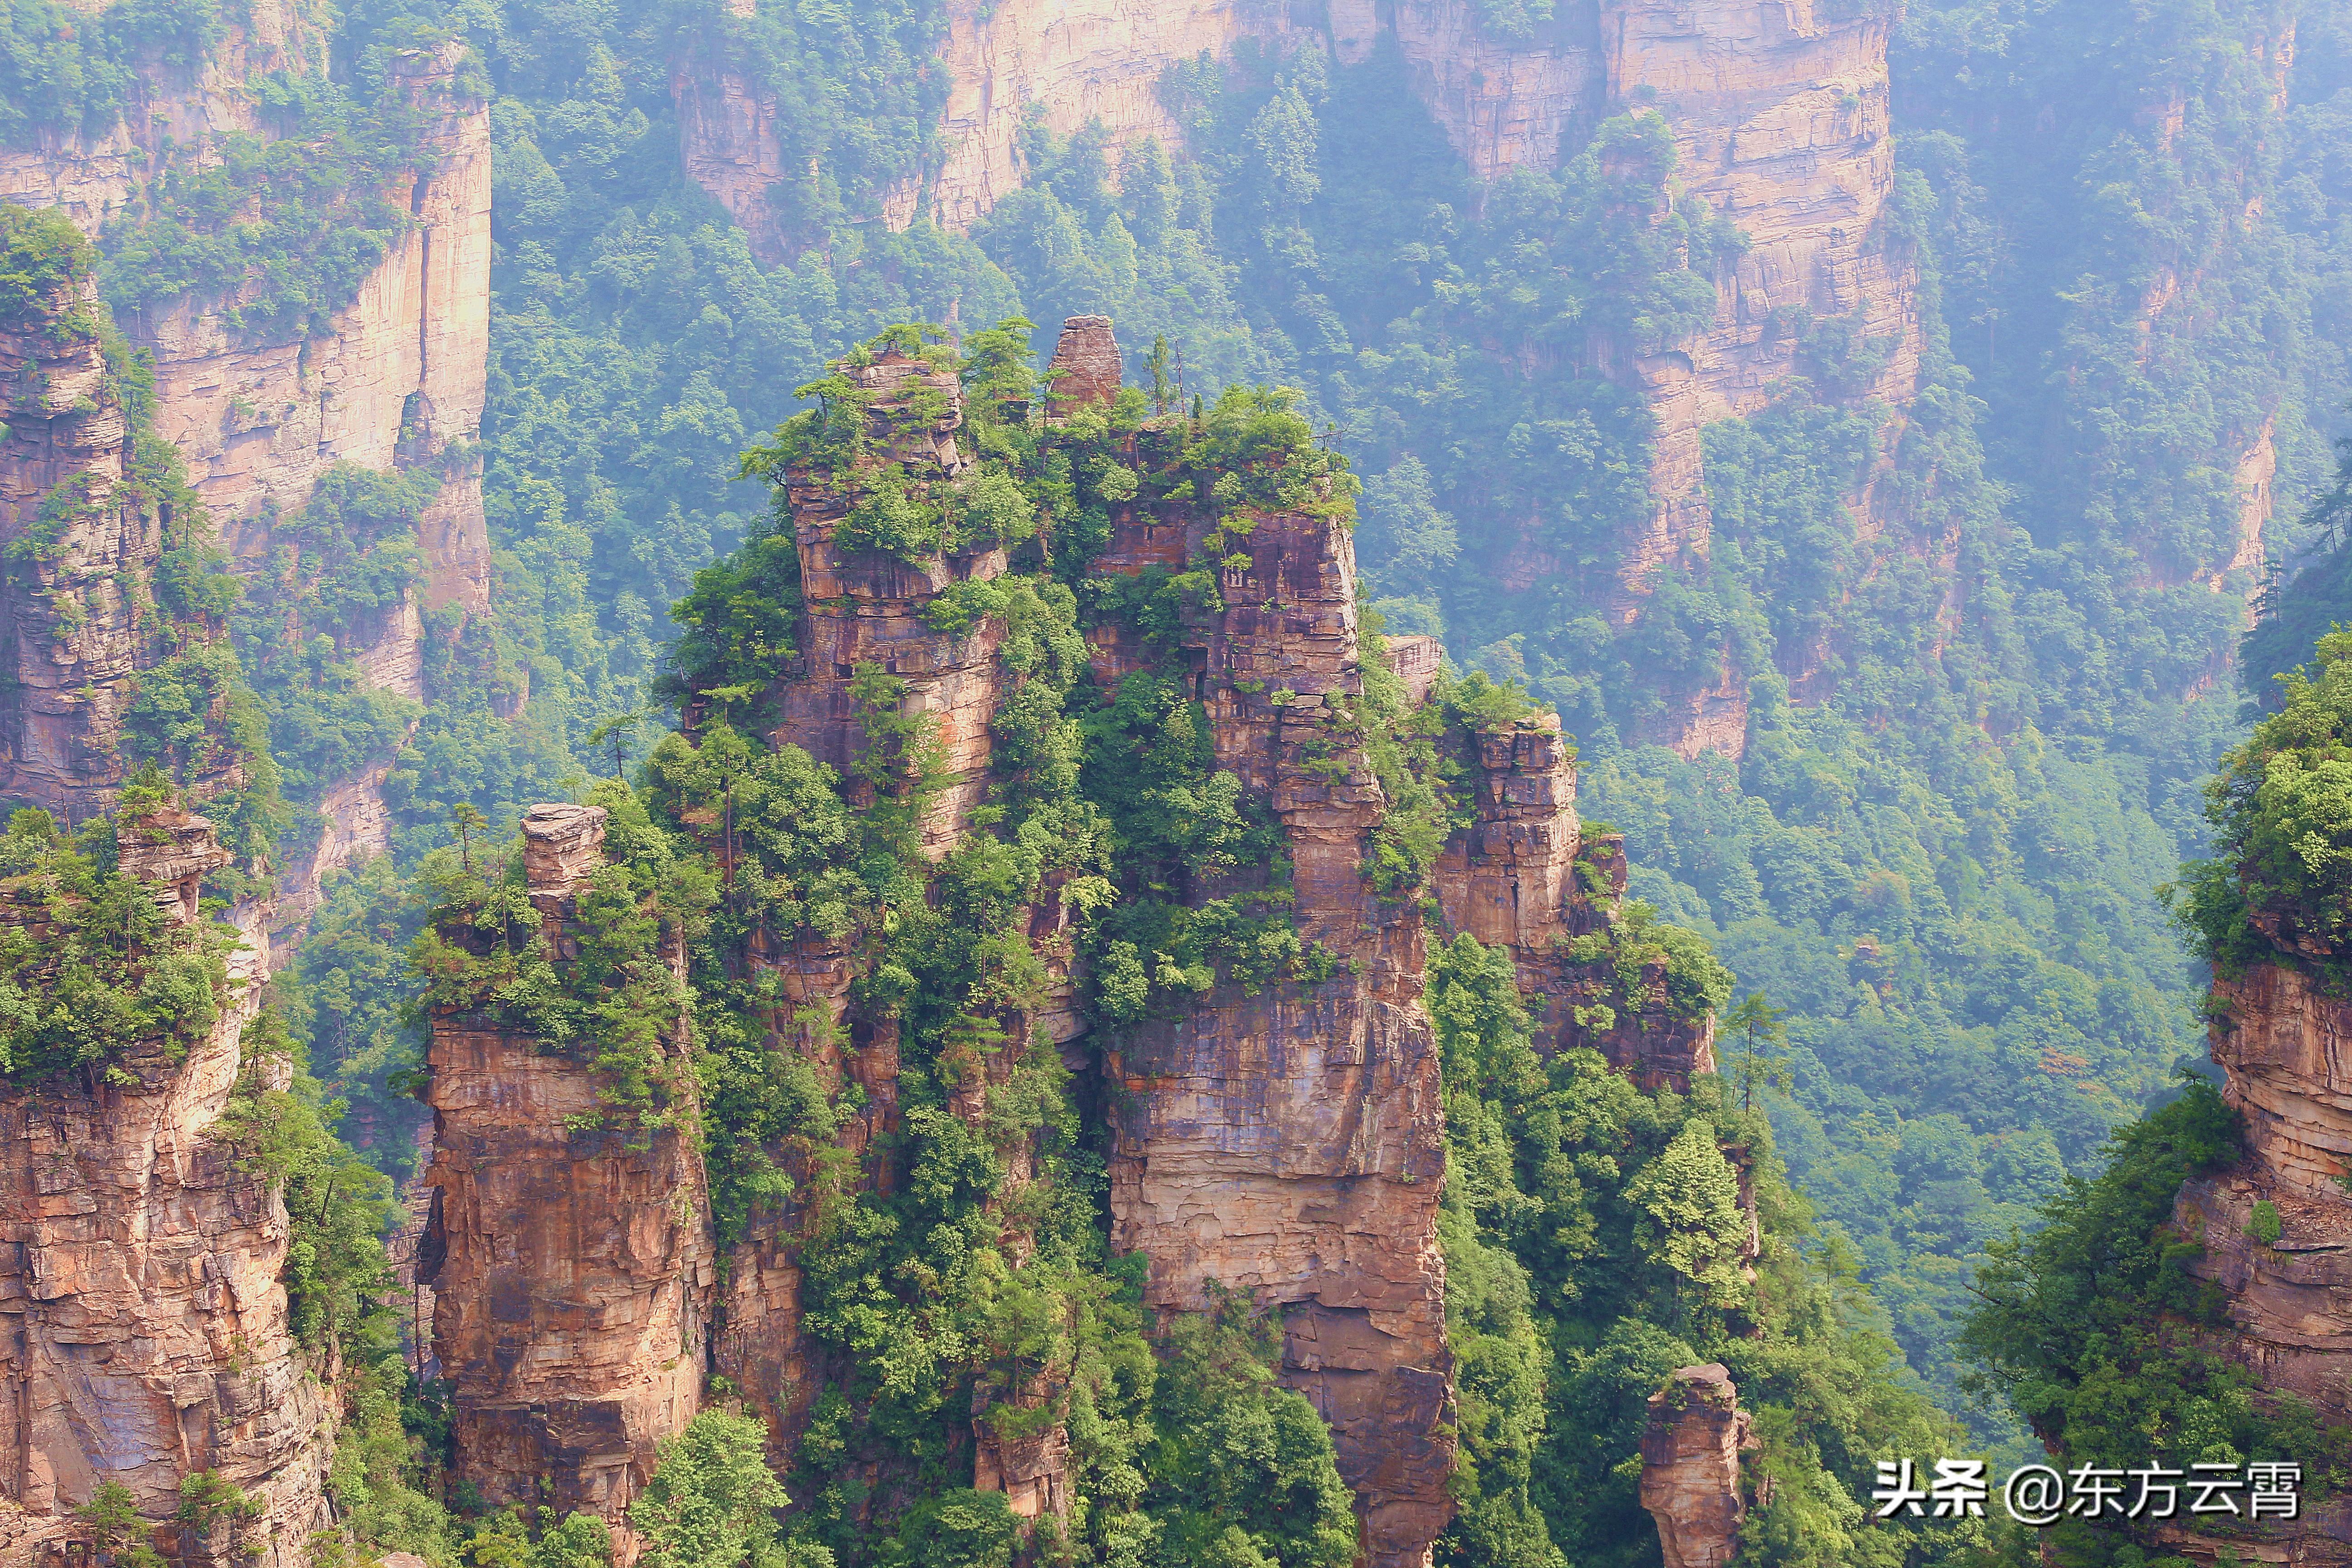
1691,1481
2285,1044
1779,113
140,1308
395,381
568,1252
1288,1145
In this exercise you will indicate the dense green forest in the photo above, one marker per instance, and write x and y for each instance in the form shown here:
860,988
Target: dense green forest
1939,852
1945,871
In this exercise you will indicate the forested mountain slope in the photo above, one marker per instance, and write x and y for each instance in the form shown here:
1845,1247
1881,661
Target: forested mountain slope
1866,431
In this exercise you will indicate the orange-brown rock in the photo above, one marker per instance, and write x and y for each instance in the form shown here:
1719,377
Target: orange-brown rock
1526,877
728,145
569,1256
1292,1144
1085,372
1417,661
2285,1046
396,381
145,1330
865,606
1690,1467
93,176
71,635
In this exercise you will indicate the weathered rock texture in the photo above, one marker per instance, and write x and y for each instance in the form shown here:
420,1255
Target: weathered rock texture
2286,1048
71,632
91,177
396,381
145,1330
1780,114
569,1258
1526,877
1292,1144
1288,1145
1690,1467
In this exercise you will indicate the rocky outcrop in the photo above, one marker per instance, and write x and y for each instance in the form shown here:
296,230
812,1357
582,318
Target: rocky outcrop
1526,877
398,379
395,381
1780,116
865,607
1292,1144
728,145
1086,371
84,544
92,177
145,1330
2285,1044
1690,1467
568,1252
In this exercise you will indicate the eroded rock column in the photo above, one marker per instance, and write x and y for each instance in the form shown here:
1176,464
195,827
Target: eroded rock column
569,1251
1690,1467
2286,1048
144,1330
1292,1144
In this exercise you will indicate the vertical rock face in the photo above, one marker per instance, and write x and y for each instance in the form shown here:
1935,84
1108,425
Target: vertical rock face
91,177
865,606
1780,115
569,1259
1292,1144
70,637
2286,1048
1086,370
1289,1145
1526,877
1071,62
397,382
1778,111
145,1330
728,145
1690,1467
1502,103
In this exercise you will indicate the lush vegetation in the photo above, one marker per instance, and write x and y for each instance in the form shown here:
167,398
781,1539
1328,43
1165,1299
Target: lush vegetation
2281,807
1973,729
1596,1238
90,968
2096,1330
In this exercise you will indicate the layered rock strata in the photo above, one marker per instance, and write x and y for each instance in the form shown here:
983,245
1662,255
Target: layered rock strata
94,176
1780,116
1287,1145
145,1330
570,1257
1292,1144
1526,877
396,381
1691,1484
2285,1047
84,544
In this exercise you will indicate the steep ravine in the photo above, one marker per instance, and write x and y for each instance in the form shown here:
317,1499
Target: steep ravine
395,383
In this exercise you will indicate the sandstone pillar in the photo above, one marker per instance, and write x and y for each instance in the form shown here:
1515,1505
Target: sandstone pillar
1690,1467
